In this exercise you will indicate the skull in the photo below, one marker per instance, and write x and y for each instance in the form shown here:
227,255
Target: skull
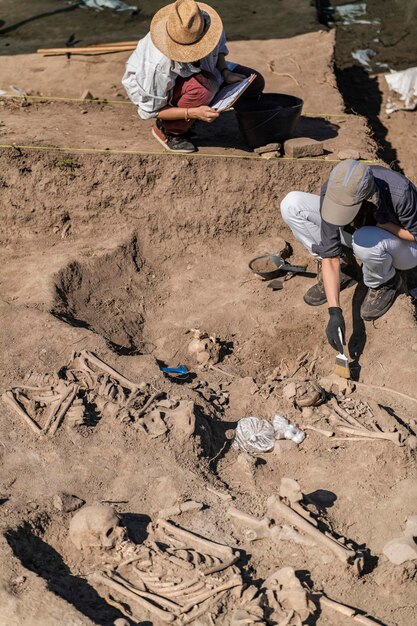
96,526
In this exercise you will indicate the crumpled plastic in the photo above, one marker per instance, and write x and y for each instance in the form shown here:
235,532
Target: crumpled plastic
116,5
404,85
254,435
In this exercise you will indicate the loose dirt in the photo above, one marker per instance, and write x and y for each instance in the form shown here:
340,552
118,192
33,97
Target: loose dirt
122,255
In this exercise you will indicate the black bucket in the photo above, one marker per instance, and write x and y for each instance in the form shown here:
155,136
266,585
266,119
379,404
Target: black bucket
270,119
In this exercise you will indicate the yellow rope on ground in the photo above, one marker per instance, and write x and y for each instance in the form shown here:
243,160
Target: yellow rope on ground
106,101
166,153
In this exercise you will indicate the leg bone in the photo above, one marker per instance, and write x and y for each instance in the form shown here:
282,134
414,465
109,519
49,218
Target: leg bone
9,398
277,507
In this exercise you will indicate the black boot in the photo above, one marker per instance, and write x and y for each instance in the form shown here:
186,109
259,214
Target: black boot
378,301
316,295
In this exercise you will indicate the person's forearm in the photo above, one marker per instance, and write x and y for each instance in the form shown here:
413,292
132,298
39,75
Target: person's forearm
396,230
175,113
331,280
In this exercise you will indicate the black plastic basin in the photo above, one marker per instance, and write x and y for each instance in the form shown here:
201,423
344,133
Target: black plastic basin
269,119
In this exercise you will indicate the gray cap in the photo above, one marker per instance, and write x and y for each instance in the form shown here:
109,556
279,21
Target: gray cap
350,183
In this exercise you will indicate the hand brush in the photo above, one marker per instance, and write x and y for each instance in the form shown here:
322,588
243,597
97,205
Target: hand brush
342,362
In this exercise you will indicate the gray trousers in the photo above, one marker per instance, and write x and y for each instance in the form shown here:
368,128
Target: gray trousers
381,252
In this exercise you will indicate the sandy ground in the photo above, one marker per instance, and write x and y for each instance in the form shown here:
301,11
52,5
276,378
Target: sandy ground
301,66
121,255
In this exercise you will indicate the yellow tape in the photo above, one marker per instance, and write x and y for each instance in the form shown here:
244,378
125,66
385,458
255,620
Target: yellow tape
166,153
105,101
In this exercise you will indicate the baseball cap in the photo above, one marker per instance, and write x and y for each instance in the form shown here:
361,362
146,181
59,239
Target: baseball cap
350,183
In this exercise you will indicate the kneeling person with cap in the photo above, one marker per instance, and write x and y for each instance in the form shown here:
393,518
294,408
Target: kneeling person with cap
370,209
177,69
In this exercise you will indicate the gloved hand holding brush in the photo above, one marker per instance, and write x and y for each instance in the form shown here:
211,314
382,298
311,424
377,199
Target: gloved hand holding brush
336,323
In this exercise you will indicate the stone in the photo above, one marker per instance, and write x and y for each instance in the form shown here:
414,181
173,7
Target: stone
87,95
337,385
67,503
400,550
289,392
270,147
303,147
343,155
411,442
270,155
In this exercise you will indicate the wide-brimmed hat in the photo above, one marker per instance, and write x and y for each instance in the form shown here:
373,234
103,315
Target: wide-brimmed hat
350,183
186,31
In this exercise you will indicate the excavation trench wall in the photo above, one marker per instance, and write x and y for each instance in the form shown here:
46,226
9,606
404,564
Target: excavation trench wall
170,200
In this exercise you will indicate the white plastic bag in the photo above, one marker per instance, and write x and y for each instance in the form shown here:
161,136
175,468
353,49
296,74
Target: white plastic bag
285,430
404,85
254,435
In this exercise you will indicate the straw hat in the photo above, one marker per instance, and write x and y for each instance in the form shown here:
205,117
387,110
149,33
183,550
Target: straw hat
186,31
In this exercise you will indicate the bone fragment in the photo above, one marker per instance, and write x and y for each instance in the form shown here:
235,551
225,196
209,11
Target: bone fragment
321,431
255,528
165,602
182,507
220,494
203,609
56,407
347,611
9,398
235,581
198,543
147,404
276,506
89,356
108,581
371,434
345,415
68,400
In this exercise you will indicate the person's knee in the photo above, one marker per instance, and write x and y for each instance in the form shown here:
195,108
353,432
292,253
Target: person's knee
259,82
289,206
366,243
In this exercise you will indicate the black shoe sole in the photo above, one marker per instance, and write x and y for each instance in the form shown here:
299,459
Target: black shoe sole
165,145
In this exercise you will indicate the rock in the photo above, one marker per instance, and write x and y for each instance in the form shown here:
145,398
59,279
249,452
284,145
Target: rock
289,392
336,385
303,147
411,442
400,550
343,155
87,95
67,503
121,621
270,147
270,155
307,412
411,526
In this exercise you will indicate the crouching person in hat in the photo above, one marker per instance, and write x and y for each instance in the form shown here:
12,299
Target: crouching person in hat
177,69
369,209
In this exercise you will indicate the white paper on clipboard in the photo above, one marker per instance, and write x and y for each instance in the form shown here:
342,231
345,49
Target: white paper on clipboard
228,95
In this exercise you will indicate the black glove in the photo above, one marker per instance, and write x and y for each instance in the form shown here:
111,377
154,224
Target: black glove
336,321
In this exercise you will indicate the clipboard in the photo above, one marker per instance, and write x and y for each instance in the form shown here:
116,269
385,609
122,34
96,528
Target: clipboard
228,95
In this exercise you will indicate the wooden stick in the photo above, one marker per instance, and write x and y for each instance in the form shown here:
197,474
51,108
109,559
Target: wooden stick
9,398
90,50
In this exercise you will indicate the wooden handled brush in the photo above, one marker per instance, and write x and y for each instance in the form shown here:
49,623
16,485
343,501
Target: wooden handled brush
342,362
